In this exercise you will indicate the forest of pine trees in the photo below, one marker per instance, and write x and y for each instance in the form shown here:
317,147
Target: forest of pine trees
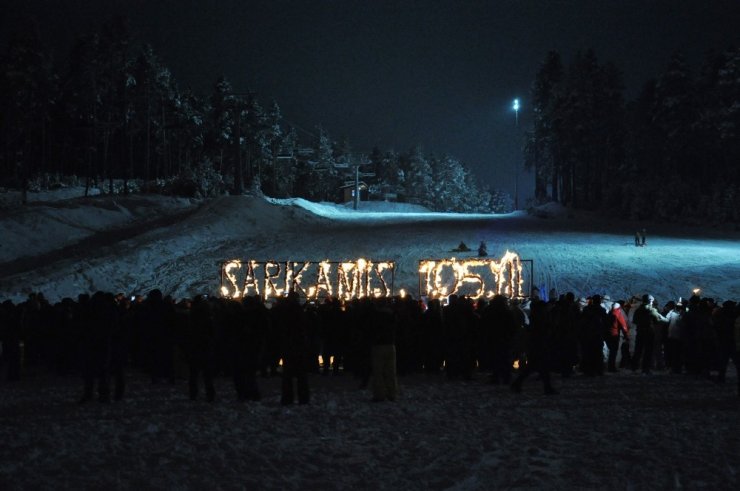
672,154
112,115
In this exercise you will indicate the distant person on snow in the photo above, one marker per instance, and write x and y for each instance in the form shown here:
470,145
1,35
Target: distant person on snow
638,239
643,238
482,249
462,247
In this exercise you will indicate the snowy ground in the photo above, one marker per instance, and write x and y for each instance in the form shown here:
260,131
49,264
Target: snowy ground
620,431
134,244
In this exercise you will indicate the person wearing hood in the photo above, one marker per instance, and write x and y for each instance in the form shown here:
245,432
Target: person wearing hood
594,324
617,325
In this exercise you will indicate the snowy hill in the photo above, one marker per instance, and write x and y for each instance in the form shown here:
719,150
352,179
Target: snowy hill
139,243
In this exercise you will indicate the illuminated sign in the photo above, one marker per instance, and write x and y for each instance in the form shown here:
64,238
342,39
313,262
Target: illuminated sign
309,279
474,277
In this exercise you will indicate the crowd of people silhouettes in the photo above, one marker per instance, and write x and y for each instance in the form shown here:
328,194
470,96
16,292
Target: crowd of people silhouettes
102,336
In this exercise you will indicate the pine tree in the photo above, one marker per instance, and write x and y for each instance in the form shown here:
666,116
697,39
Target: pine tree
541,154
390,176
28,94
675,113
286,161
450,186
274,142
222,115
418,183
318,177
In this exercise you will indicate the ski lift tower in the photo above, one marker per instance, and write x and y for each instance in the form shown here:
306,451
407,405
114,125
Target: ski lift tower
359,163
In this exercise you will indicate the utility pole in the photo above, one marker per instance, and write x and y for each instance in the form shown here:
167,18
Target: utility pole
357,187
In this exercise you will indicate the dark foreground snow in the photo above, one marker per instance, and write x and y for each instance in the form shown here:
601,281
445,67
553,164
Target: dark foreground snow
622,431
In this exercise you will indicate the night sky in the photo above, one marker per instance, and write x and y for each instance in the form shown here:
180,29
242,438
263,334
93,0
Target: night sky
441,74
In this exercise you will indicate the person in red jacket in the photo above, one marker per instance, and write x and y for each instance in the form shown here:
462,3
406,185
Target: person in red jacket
617,325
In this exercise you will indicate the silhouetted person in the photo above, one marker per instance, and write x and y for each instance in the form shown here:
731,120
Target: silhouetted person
674,353
565,316
499,321
432,337
332,345
407,333
249,339
482,249
120,343
200,348
157,317
358,323
62,340
384,380
294,349
725,321
593,328
11,338
270,356
31,324
459,337
645,319
100,319
617,326
537,348
696,323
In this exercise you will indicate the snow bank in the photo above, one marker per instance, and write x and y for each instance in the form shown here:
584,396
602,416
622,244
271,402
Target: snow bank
377,211
40,228
10,198
551,210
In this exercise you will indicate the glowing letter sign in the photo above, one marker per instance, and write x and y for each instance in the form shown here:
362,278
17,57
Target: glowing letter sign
312,280
475,277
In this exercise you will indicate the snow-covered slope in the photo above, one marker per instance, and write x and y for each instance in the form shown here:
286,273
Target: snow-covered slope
181,252
378,211
46,226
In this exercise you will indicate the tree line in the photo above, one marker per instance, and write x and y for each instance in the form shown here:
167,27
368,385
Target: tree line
672,153
113,115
